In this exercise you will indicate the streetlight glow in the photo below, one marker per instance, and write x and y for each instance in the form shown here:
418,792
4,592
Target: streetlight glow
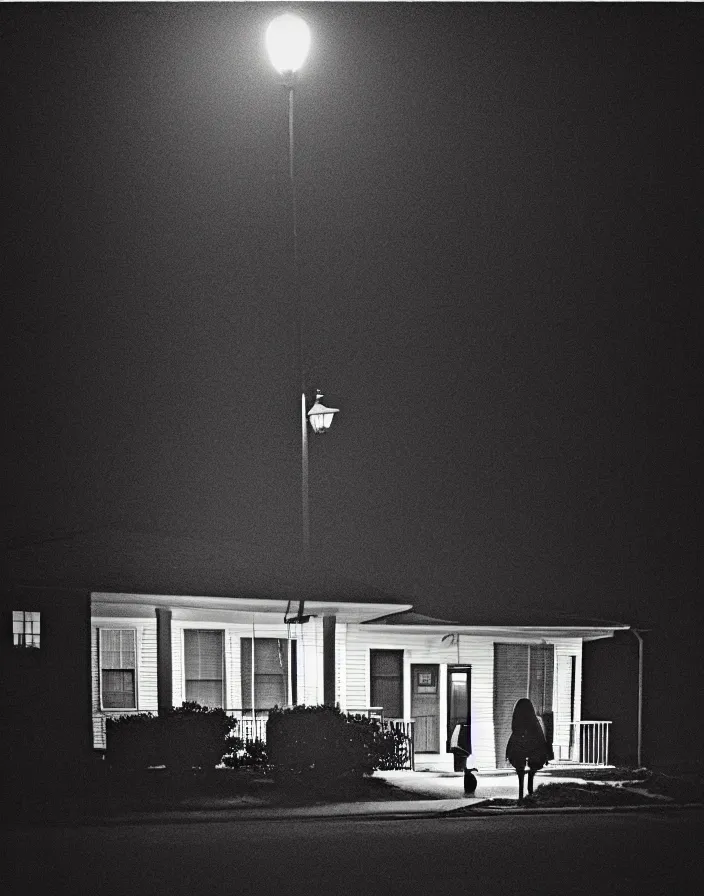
287,42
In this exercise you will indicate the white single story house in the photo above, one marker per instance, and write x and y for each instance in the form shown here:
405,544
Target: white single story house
103,627
428,675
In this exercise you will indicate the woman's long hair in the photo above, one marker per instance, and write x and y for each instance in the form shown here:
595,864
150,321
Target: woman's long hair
524,717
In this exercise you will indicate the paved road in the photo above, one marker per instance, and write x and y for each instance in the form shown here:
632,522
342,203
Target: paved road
642,854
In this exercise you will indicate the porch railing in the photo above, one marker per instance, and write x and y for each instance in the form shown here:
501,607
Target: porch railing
249,728
407,726
590,743
372,712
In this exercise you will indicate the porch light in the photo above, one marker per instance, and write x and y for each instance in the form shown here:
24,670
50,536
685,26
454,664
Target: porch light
321,417
287,42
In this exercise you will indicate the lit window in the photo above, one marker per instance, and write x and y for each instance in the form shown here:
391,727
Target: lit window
25,628
118,668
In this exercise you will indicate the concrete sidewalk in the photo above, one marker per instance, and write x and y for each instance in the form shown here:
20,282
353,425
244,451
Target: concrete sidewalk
437,793
432,793
450,785
380,809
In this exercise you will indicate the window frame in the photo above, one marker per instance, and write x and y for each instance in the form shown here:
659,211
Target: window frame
19,638
291,689
402,683
184,680
118,628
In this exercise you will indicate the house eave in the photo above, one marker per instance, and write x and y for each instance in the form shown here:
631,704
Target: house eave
262,608
508,631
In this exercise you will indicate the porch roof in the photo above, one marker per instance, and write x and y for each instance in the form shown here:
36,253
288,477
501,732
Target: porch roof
502,625
260,610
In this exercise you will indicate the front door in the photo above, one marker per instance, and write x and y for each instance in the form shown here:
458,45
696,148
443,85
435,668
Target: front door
459,688
425,708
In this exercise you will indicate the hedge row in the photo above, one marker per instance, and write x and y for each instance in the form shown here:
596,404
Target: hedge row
190,736
302,741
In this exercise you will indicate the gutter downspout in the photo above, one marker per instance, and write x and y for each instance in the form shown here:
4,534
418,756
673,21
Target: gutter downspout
640,696
254,711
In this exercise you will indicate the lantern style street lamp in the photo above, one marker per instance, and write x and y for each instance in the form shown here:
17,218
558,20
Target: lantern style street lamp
287,42
321,417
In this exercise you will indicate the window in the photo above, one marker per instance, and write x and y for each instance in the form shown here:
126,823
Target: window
118,668
25,628
386,668
203,662
271,672
521,670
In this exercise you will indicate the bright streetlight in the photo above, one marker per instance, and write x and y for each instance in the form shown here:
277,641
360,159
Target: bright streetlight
287,42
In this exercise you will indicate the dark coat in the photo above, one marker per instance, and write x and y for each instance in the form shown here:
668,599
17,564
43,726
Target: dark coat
527,744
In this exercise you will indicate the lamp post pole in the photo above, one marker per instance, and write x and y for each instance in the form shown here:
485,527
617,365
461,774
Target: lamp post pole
305,510
288,40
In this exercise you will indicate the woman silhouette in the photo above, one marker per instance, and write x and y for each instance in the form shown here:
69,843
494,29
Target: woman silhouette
527,744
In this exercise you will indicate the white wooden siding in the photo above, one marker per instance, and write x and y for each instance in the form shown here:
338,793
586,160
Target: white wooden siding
428,647
177,686
341,665
233,669
563,690
565,648
474,650
146,679
353,643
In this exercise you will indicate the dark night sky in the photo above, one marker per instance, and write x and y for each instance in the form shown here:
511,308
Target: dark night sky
501,242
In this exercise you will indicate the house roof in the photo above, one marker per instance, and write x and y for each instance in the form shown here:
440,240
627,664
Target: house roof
410,617
113,560
502,619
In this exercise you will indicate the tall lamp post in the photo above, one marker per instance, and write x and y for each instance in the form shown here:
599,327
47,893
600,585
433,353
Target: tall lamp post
288,42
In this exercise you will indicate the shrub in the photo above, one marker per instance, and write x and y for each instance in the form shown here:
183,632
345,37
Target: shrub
321,742
573,794
190,736
318,742
244,754
394,749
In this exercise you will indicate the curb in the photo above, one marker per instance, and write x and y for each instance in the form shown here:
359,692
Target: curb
487,811
247,816
225,817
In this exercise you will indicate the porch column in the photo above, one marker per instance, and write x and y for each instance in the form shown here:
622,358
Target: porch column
164,675
329,660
